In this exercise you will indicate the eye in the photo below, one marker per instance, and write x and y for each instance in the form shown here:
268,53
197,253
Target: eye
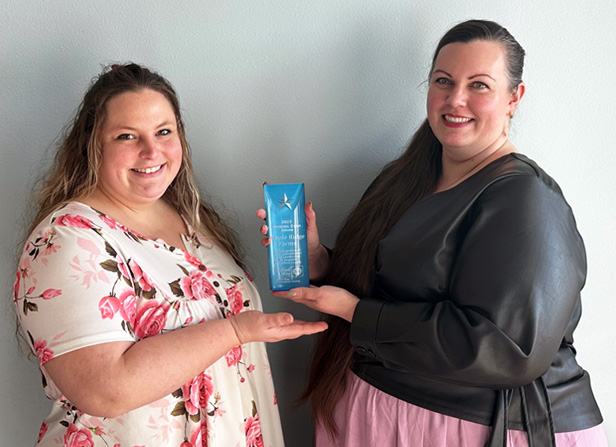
443,81
479,85
125,136
164,132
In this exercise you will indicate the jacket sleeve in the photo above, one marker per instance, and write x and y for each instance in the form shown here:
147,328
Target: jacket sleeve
514,286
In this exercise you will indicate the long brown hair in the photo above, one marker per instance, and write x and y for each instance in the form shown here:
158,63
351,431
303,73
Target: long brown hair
77,160
400,184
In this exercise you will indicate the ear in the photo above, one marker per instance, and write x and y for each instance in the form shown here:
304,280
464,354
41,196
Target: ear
516,97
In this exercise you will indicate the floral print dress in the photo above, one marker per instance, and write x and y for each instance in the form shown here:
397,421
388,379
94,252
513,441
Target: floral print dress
84,279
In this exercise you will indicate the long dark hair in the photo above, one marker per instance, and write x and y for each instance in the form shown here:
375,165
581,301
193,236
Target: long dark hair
400,184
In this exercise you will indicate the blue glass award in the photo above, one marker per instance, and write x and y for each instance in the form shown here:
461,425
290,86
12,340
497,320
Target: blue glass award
288,250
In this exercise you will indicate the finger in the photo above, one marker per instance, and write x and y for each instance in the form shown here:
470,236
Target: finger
298,294
311,216
301,328
282,319
265,241
263,229
261,214
310,327
285,294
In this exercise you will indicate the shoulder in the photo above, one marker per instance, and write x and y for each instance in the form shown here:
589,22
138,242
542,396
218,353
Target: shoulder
512,181
70,226
520,178
72,214
516,164
519,191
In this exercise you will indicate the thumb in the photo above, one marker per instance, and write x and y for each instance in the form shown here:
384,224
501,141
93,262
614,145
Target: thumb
283,319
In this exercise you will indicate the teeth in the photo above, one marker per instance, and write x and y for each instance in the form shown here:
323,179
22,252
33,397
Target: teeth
458,120
148,170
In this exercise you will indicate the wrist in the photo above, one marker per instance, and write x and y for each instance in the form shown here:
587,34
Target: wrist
233,331
350,311
318,263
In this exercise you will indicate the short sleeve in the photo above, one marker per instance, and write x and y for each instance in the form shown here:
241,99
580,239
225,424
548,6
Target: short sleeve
72,288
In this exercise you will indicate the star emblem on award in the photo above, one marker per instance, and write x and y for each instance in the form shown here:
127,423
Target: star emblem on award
285,202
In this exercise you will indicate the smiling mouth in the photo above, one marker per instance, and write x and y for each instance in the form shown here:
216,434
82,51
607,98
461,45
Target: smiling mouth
148,170
456,119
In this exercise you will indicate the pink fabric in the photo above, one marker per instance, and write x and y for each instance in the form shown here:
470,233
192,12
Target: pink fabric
367,417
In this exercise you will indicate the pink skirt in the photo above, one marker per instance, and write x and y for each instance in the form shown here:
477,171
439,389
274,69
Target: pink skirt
368,417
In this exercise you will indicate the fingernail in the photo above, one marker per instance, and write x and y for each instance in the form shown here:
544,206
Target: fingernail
291,294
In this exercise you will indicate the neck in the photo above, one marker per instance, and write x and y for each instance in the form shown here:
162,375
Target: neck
455,172
155,220
120,210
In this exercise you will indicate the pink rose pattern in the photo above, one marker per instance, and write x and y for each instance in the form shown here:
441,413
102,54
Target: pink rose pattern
16,287
108,306
42,432
128,308
199,436
70,220
111,223
201,283
51,293
193,261
197,393
130,301
76,437
140,276
151,319
43,353
196,286
253,432
123,270
235,299
234,356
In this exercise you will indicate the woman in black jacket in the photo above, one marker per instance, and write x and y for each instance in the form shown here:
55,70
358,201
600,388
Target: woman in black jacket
454,286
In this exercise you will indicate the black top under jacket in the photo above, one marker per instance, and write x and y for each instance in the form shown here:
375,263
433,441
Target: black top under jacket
476,298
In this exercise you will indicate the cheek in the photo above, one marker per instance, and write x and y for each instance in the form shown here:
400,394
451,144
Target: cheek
174,155
432,106
490,108
113,163
175,151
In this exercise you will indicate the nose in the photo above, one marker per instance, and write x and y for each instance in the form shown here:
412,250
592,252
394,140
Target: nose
148,147
457,97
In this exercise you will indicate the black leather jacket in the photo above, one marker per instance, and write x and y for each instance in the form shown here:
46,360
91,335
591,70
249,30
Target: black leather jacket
476,298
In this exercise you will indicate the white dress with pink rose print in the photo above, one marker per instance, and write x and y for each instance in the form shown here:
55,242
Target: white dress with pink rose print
84,279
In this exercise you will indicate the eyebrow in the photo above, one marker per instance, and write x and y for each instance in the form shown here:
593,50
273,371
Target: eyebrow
163,124
471,77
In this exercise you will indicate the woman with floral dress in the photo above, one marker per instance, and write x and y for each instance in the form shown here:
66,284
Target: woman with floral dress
131,292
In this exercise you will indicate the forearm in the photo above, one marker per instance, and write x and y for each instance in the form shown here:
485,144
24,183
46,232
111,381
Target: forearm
113,378
453,343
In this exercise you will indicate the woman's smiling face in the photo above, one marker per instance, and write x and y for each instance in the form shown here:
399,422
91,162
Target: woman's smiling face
469,99
141,148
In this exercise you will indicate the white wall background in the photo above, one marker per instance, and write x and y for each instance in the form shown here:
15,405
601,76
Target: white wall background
319,91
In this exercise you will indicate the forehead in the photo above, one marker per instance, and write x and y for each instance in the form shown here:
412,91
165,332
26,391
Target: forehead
469,58
137,98
141,105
